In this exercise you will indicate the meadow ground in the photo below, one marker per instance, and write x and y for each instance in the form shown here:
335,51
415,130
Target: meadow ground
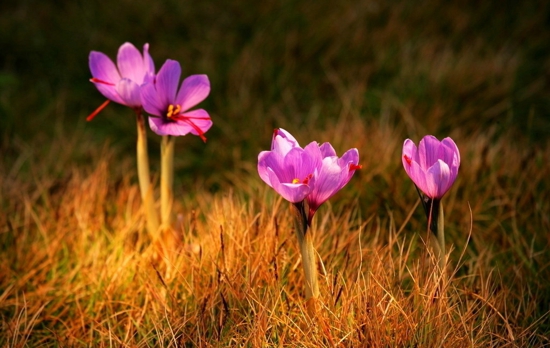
77,267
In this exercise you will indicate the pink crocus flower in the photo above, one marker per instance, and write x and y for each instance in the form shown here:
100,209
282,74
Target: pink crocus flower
433,166
333,173
287,168
169,107
121,83
287,164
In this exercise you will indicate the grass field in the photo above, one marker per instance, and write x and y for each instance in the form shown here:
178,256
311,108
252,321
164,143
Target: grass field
78,268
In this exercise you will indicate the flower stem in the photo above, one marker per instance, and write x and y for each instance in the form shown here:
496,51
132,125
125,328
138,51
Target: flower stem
441,238
144,178
309,263
166,179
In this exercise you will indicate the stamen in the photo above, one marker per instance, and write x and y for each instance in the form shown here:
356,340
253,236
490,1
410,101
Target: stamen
305,181
173,111
354,167
408,159
97,111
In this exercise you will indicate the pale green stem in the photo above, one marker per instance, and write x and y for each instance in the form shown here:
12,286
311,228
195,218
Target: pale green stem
144,178
309,263
166,179
441,238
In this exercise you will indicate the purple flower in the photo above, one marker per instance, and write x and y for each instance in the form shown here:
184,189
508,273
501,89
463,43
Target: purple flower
433,166
169,107
287,168
314,173
121,83
332,174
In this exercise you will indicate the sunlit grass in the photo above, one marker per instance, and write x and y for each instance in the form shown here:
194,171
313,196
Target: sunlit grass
79,267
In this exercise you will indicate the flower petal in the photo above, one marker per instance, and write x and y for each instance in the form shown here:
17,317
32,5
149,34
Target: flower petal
148,64
428,151
281,145
129,92
109,92
130,63
293,193
103,68
168,127
167,82
327,150
150,100
263,159
286,135
200,120
328,182
437,180
193,90
451,156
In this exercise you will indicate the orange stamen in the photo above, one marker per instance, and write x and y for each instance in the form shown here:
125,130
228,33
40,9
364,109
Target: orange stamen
98,110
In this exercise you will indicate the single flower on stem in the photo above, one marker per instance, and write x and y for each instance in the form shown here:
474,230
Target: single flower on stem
121,84
433,167
313,175
170,116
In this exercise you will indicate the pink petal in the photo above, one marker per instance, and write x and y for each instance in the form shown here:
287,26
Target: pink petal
130,63
327,183
286,135
297,164
148,64
281,145
129,92
327,150
293,193
167,82
109,92
103,68
410,150
263,166
437,180
151,102
194,89
428,151
162,127
200,120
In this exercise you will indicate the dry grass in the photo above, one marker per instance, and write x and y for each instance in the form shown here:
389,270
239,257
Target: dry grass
79,269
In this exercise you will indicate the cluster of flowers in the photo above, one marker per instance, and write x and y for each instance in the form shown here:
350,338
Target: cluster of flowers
315,173
133,82
308,175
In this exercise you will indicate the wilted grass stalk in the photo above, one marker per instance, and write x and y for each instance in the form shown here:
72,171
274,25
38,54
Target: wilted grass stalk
144,177
166,179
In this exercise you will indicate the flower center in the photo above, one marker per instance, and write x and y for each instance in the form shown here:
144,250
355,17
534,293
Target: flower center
305,181
173,111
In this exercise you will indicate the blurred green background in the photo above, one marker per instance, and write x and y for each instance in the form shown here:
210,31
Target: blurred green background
300,65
